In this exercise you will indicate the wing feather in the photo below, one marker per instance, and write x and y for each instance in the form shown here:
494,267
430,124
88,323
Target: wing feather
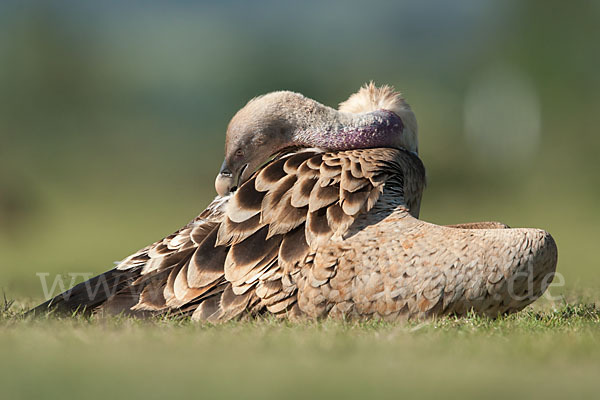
245,251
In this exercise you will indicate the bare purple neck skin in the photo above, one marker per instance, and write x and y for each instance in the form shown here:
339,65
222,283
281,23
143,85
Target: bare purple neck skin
381,128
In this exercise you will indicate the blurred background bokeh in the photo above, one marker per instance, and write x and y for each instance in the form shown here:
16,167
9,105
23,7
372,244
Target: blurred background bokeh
113,114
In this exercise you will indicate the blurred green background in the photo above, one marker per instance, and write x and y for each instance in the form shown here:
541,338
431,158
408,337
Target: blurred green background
113,114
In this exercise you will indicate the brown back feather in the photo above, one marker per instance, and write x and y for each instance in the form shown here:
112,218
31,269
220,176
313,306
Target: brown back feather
244,252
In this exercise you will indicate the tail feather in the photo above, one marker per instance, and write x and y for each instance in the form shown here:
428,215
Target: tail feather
86,296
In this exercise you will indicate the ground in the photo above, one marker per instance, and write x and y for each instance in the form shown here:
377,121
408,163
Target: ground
549,350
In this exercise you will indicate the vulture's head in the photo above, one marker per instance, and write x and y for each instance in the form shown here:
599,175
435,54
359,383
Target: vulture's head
372,117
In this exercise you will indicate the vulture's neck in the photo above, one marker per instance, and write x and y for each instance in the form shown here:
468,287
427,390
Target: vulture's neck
319,126
344,131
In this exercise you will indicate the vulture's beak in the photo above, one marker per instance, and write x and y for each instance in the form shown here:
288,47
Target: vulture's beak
227,181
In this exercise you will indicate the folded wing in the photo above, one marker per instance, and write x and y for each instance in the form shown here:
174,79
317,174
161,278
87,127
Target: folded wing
245,251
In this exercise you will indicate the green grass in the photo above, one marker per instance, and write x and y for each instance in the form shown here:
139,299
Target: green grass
550,352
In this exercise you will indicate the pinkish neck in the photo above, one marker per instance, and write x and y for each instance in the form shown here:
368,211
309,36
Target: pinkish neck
346,131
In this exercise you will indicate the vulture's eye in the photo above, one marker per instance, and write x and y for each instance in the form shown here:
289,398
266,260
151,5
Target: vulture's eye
239,153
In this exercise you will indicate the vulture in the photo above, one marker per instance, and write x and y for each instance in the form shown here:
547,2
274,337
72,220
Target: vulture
317,217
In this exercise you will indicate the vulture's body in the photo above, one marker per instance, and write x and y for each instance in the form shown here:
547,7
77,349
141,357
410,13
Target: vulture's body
325,231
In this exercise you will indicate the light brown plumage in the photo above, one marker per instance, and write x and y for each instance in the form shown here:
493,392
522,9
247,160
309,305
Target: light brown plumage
318,233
